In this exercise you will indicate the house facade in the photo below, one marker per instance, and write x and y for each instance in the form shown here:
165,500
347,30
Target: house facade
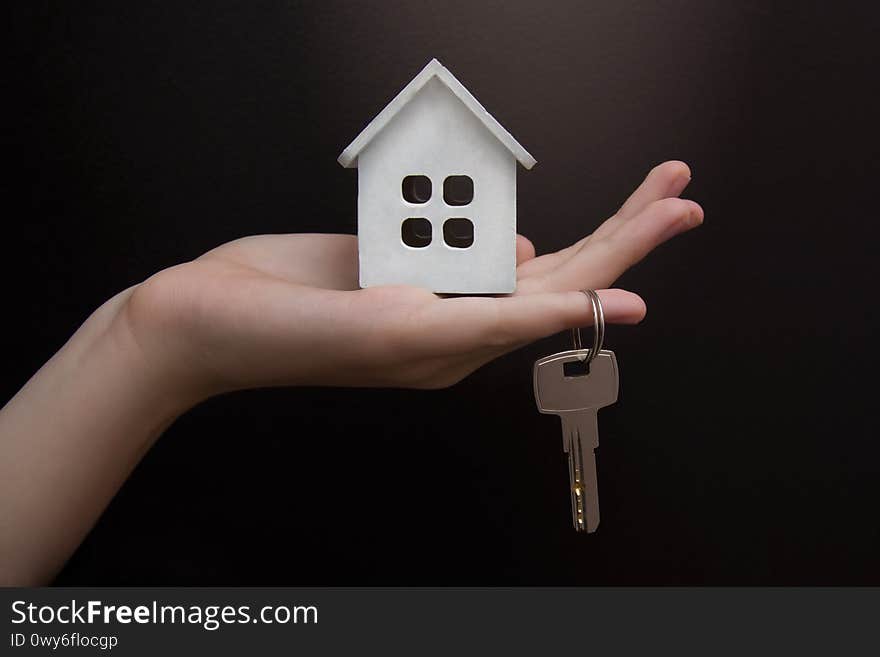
437,191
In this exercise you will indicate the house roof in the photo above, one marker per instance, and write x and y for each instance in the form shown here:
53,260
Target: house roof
348,157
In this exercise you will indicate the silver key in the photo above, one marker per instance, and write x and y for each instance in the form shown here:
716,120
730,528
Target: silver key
564,387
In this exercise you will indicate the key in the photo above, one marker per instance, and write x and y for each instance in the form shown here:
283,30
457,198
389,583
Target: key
566,387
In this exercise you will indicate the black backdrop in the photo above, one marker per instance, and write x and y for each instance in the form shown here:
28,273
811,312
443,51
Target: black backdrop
741,449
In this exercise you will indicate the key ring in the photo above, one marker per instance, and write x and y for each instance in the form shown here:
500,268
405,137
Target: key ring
598,327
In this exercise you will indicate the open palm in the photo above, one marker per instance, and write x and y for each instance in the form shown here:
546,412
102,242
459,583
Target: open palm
286,309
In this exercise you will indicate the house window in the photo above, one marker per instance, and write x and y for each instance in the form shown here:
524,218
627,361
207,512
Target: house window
458,232
416,232
416,189
458,190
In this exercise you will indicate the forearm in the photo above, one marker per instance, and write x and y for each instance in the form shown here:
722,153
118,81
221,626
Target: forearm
71,436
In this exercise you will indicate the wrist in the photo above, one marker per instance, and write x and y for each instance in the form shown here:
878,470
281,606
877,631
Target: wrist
152,355
73,434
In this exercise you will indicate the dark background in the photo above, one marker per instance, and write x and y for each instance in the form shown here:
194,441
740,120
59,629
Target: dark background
742,450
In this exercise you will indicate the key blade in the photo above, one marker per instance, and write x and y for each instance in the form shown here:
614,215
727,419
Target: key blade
588,491
580,438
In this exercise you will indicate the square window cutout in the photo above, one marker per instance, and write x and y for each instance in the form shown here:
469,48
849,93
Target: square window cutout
416,232
458,232
458,190
416,189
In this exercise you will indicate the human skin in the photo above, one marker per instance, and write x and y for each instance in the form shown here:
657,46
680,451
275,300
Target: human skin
277,310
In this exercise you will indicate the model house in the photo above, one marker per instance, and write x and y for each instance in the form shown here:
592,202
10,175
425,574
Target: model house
437,191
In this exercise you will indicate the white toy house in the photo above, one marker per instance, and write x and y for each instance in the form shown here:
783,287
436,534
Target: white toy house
437,191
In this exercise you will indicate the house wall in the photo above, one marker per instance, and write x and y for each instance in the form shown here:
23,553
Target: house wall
436,135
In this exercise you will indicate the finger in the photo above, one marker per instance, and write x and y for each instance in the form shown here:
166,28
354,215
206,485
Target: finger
663,181
602,260
524,319
525,250
666,180
468,324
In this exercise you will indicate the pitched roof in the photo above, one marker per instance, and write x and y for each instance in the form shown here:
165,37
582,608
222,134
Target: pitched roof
348,157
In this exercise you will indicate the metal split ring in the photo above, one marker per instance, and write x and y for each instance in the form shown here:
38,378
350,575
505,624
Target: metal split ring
598,327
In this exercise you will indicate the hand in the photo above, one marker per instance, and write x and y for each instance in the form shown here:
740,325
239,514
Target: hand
275,310
286,309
